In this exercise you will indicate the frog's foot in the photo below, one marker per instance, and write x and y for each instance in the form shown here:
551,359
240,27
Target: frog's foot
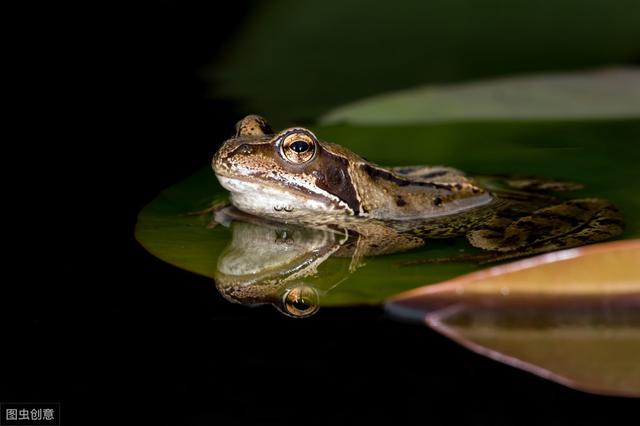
570,224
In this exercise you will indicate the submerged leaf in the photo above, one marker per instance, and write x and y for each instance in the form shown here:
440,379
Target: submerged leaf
571,316
612,93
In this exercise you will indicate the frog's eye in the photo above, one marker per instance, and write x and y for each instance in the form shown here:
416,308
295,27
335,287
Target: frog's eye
298,147
300,302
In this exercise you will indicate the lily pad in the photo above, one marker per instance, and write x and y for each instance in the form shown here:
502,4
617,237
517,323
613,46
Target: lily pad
600,155
571,316
611,93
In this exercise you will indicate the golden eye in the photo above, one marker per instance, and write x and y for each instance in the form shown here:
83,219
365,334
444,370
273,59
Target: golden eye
300,302
298,147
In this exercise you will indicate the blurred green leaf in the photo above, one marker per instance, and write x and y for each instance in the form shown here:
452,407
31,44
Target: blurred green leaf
294,60
612,93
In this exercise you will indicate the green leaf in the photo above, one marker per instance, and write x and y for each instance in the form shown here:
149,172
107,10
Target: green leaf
602,155
613,93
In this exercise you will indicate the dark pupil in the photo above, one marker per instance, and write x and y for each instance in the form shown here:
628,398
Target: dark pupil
300,304
299,146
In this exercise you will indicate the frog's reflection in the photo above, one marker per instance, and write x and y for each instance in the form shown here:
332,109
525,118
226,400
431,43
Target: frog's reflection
277,263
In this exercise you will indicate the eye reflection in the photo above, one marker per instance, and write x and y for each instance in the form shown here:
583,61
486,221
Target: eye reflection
300,302
280,264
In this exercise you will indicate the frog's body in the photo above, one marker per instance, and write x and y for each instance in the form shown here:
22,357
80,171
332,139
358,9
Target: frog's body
293,177
334,182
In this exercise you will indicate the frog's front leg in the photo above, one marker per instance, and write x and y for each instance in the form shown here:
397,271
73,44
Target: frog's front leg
569,224
215,207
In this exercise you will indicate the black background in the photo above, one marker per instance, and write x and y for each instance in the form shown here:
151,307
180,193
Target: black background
115,335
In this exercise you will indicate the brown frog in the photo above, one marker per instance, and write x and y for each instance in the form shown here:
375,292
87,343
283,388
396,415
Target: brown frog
293,177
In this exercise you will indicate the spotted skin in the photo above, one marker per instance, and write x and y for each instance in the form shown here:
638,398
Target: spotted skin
569,224
394,209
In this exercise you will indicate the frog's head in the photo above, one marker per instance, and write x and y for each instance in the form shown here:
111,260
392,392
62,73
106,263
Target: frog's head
290,174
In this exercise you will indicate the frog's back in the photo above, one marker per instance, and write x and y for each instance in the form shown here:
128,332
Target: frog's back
417,192
439,174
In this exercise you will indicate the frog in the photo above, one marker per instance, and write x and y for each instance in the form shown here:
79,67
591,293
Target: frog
291,176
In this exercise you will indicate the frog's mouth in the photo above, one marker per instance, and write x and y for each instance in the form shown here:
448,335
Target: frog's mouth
257,197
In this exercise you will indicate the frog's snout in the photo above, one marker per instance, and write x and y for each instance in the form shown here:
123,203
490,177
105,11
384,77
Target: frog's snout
215,161
231,152
222,155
